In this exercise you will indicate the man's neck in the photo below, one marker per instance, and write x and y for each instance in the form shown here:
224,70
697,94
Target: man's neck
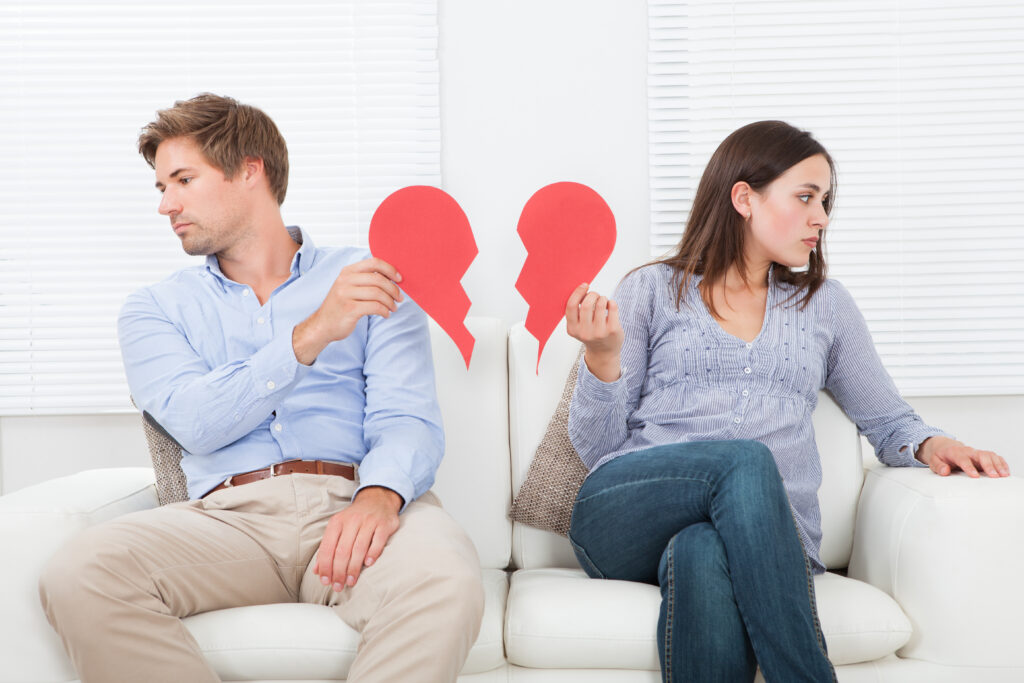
263,260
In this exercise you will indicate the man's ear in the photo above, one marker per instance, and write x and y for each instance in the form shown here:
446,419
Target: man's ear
252,169
740,195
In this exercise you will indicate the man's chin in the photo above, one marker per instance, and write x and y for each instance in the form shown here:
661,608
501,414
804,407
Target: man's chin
193,249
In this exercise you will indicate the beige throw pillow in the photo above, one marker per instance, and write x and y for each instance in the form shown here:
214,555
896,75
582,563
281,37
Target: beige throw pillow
556,473
166,455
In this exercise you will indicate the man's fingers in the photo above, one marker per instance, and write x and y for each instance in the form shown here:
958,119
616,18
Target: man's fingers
376,280
325,555
341,578
375,264
359,548
940,467
380,539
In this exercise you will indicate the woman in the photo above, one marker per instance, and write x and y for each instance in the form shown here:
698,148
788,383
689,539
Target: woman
694,416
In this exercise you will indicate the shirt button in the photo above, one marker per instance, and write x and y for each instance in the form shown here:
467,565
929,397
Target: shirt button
270,384
746,392
737,420
277,427
245,292
750,346
260,320
746,370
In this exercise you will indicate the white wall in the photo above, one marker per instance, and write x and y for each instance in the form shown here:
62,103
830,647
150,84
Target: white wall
532,93
535,92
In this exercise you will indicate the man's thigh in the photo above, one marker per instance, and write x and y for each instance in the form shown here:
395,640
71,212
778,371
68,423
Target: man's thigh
429,542
193,557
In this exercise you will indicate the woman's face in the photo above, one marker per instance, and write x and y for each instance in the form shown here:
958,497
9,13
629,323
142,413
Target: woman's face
788,216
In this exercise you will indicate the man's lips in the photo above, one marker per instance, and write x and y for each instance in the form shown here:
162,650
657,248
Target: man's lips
179,227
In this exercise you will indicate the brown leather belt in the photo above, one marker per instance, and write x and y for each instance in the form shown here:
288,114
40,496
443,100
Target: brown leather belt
338,469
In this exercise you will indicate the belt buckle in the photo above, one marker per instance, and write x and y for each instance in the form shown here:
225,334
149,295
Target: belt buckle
273,468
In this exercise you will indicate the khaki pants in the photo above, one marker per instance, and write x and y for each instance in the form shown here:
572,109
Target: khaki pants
117,592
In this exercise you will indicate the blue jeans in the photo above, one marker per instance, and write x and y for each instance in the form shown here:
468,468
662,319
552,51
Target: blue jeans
711,524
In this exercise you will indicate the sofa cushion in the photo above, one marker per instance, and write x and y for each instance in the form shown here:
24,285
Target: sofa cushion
559,618
299,641
556,472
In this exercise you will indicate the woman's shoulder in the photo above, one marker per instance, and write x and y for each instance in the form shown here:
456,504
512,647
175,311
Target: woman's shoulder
655,282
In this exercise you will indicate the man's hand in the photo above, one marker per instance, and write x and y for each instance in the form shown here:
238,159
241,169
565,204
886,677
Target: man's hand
594,320
355,537
944,455
364,288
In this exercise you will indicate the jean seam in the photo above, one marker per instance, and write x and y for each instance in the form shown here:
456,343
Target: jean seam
812,600
670,608
616,487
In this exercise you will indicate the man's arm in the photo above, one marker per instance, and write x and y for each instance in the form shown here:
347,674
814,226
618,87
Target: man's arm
404,438
206,408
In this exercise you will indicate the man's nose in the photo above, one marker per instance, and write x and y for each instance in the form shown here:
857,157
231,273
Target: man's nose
169,203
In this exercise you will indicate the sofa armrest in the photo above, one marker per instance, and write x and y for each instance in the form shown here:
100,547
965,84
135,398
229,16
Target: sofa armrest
34,522
950,551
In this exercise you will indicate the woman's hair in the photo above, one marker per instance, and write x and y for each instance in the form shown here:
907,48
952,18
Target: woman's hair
227,132
713,240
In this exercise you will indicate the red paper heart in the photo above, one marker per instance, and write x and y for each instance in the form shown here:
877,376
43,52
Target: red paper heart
569,233
425,234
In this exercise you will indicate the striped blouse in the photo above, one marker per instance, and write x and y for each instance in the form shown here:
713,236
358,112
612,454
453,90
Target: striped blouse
684,378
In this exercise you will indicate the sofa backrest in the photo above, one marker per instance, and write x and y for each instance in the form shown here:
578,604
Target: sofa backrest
532,400
473,481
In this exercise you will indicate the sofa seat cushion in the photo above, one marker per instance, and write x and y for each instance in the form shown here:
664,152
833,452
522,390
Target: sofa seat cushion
560,619
298,641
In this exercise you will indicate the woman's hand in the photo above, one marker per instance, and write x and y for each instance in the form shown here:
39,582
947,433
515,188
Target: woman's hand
944,455
594,320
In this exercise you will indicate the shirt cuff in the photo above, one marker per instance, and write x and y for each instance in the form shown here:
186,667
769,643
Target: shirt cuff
596,389
275,368
388,477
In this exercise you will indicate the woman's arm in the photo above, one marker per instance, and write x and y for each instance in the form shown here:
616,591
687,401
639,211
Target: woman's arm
860,384
615,363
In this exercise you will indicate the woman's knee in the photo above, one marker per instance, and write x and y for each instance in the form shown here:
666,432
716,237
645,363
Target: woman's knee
696,553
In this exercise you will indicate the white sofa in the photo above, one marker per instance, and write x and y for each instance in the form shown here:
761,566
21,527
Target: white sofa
934,592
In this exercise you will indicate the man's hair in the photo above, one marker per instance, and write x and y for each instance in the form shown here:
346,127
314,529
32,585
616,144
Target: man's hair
226,132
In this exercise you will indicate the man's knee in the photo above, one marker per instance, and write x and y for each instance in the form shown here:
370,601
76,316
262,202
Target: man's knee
457,584
65,575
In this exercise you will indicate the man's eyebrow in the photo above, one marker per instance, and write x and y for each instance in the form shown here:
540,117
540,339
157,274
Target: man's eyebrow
174,175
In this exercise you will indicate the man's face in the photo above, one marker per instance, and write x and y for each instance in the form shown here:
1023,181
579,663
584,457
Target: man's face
206,210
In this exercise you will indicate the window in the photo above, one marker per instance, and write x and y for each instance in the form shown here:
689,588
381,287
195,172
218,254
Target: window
920,104
353,87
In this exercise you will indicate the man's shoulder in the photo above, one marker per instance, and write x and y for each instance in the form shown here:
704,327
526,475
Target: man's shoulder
174,285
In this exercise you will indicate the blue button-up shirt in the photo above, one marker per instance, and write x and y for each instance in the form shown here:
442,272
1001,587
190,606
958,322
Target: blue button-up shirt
217,370
684,378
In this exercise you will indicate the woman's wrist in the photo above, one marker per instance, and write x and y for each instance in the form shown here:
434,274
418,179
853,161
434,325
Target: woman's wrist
605,366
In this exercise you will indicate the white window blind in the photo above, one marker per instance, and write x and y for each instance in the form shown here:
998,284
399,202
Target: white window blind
353,86
920,103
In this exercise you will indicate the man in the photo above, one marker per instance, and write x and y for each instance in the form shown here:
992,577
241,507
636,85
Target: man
280,368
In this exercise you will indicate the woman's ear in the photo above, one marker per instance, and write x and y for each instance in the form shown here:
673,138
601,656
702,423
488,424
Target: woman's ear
740,194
